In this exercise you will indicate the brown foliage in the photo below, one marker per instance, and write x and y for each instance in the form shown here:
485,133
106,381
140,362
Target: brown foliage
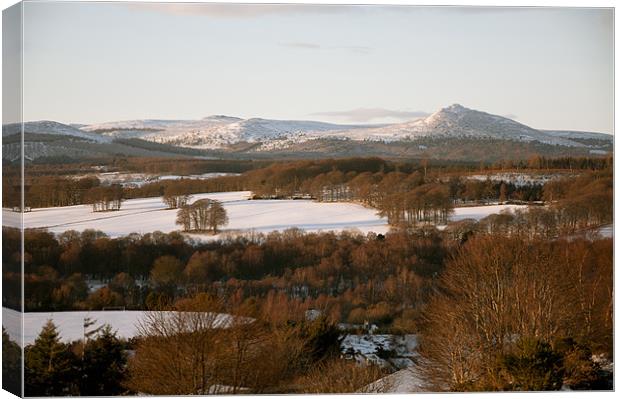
497,290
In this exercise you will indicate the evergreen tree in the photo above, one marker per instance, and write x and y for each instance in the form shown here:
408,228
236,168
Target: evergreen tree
50,365
104,364
11,365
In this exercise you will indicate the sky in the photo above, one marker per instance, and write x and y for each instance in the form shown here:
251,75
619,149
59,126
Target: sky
549,68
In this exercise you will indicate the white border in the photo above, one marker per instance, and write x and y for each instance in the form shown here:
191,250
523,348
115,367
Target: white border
487,3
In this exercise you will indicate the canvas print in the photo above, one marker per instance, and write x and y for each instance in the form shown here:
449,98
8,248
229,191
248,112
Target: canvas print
219,198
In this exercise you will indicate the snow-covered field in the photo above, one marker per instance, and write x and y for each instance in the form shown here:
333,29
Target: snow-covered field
480,212
145,215
150,214
403,381
71,324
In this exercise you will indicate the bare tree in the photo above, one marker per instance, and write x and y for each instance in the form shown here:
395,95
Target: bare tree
194,348
217,216
203,215
175,196
343,376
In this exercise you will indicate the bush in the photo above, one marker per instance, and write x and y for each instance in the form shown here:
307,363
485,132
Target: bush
533,366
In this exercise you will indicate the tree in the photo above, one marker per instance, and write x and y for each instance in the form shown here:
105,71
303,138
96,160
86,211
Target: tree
184,217
50,365
202,215
177,352
104,363
342,376
503,193
104,297
203,267
167,271
11,365
217,216
105,198
533,366
175,196
497,290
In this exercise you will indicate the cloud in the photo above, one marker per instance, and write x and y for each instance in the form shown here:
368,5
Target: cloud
232,10
315,46
370,114
511,116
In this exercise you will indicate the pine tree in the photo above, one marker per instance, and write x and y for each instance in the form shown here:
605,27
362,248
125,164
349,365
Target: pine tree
50,365
103,364
11,365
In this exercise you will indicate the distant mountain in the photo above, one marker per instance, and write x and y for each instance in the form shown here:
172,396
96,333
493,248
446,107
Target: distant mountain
53,140
53,128
453,132
220,132
573,135
457,121
217,131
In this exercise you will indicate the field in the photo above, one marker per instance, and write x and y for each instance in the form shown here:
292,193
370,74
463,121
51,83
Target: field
150,214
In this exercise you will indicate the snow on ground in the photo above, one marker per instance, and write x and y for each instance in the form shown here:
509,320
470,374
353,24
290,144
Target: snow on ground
70,324
386,350
516,178
150,214
402,381
127,179
480,212
145,215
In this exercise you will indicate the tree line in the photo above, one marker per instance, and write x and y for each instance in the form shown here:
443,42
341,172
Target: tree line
324,180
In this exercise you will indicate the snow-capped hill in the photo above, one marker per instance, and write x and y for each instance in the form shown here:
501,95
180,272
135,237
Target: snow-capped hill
53,128
258,129
216,131
572,134
223,131
457,121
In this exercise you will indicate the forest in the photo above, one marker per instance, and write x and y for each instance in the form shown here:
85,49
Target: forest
515,301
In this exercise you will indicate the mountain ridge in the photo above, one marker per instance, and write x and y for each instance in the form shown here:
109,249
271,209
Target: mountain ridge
223,135
219,131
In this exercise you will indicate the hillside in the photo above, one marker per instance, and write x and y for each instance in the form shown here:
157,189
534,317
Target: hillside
454,132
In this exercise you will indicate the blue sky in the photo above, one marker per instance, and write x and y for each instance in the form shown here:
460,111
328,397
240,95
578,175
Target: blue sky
96,62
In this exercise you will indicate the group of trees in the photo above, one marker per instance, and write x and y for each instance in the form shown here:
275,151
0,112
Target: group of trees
352,277
202,215
95,366
349,179
105,198
427,203
511,313
175,196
